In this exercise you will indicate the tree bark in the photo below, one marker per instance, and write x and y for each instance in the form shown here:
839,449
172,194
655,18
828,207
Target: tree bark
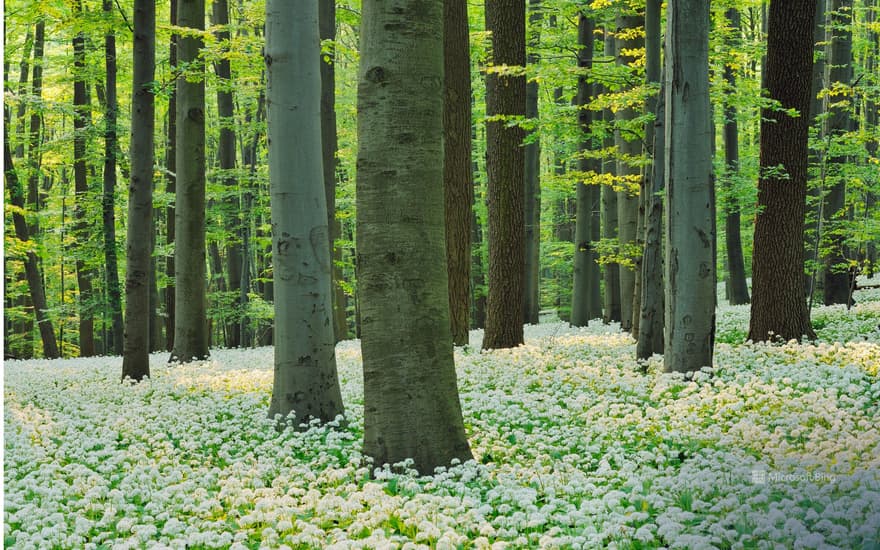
840,73
32,269
171,186
585,299
327,29
629,147
611,270
779,308
817,107
532,179
305,381
82,120
411,405
191,322
457,169
739,291
651,315
226,156
505,164
690,200
109,198
138,253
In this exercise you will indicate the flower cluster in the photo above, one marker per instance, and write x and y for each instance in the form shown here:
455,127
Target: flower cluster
576,446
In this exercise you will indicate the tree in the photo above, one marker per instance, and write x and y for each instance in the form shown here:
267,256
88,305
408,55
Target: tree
171,183
629,147
611,270
138,251
109,181
305,381
191,322
779,306
739,291
532,180
82,120
585,299
411,405
458,182
689,275
505,164
836,273
651,325
31,263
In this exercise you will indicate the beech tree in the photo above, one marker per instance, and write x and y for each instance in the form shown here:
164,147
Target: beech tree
190,298
779,307
411,405
505,165
305,381
138,250
689,274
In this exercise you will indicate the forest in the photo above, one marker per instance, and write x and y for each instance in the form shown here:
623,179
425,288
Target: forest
441,274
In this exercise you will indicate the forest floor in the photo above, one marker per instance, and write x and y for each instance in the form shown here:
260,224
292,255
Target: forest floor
576,446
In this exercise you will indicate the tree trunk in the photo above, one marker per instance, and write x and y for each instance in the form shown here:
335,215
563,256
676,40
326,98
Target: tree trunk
34,139
817,107
505,164
779,308
873,130
532,178
305,382
327,29
108,204
629,147
611,270
651,315
457,170
226,156
82,120
411,405
138,253
171,187
840,72
32,269
585,299
690,199
739,291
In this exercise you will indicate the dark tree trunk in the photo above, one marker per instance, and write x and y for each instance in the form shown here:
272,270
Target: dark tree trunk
327,28
651,316
836,272
739,291
32,269
136,358
109,199
532,175
585,297
611,270
82,120
778,299
814,199
457,175
505,97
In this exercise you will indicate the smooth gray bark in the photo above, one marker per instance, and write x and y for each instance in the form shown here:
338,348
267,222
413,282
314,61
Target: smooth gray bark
689,274
191,302
411,405
138,250
305,383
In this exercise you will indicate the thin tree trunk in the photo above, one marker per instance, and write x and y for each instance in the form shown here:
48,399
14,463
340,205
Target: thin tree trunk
171,187
690,199
32,270
532,179
585,299
779,308
108,204
505,163
739,291
82,120
411,404
873,130
814,191
651,315
136,352
836,272
611,270
628,147
327,29
457,169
